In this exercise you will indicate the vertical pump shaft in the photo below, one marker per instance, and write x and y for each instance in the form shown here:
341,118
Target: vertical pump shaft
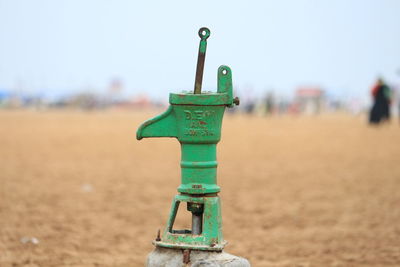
197,217
197,221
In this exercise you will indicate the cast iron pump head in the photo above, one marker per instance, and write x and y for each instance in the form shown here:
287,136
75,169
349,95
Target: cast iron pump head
195,120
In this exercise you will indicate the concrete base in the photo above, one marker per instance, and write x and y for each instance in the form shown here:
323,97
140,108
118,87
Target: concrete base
166,257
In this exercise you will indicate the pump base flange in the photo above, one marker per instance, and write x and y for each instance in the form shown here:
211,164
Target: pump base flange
166,257
216,248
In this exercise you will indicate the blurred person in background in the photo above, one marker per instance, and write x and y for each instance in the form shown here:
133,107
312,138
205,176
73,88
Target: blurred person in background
269,103
380,111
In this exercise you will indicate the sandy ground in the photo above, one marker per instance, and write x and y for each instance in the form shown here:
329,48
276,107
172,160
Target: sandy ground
305,191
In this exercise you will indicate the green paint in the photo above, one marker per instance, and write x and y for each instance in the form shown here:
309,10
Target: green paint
204,34
210,239
195,121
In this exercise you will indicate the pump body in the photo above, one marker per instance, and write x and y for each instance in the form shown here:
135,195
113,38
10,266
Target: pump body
195,120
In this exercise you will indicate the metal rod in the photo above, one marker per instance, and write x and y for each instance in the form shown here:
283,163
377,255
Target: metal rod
186,256
197,223
204,33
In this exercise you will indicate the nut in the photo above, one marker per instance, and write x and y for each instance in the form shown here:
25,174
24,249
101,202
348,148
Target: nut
236,101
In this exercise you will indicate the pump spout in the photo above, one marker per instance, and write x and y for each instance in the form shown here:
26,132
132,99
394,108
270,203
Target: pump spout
164,125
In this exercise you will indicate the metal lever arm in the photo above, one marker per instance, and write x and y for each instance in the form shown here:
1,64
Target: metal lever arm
204,33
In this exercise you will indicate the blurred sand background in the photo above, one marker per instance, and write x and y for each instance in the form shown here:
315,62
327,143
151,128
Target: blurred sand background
296,191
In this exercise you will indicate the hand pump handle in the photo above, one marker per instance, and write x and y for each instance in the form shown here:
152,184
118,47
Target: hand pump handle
204,33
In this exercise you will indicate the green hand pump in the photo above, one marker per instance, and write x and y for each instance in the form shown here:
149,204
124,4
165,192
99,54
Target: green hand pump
195,120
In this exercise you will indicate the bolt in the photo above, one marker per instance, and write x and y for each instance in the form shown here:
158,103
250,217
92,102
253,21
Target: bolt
158,238
186,256
236,101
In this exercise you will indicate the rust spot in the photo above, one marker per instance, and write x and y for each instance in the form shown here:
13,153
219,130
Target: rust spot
214,242
202,122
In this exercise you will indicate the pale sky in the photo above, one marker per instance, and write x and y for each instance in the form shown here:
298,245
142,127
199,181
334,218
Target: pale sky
53,47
